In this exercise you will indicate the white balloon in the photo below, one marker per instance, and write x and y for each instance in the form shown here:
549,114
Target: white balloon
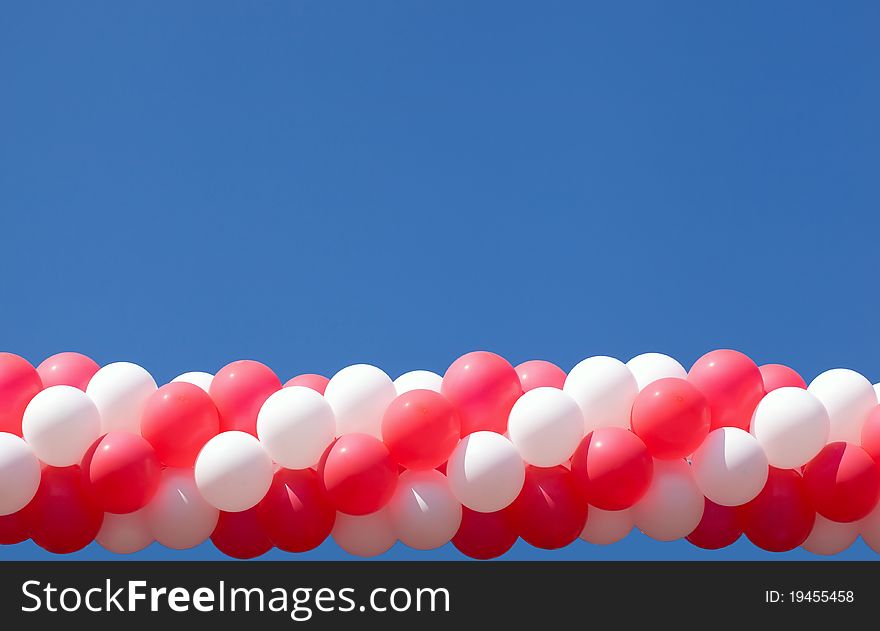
791,425
364,535
605,389
120,390
125,534
296,425
19,474
649,367
673,505
485,472
830,537
418,380
730,467
201,379
424,513
546,426
877,390
178,516
359,395
605,527
60,424
848,397
233,471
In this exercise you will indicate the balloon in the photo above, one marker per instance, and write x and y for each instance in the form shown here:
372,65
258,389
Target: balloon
672,417
871,434
240,535
613,468
364,535
485,472
605,389
239,390
730,467
550,511
201,379
178,419
358,474
418,380
296,514
791,425
60,424
125,534
420,429
120,391
233,471
649,367
869,528
849,398
777,376
732,384
483,387
178,515
19,474
719,527
781,517
842,482
877,391
14,528
673,506
67,369
540,374
359,395
122,471
296,425
830,537
318,383
546,426
423,511
19,383
485,535
605,527
63,515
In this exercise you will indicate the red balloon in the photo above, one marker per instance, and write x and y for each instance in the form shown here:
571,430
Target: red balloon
296,514
538,373
123,472
14,528
842,482
19,383
239,391
550,511
485,535
781,517
358,474
613,468
318,383
483,387
420,429
777,376
240,535
718,528
178,419
63,516
871,434
672,417
67,369
732,384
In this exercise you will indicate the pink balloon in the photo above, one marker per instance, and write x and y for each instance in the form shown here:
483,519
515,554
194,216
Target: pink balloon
483,387
732,384
538,373
122,472
239,390
777,376
67,369
19,383
318,383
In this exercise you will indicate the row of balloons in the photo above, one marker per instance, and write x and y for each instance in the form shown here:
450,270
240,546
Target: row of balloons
481,456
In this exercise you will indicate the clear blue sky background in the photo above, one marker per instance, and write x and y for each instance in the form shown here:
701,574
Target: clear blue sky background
315,184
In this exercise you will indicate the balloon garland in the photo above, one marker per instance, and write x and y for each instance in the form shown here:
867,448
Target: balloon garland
480,457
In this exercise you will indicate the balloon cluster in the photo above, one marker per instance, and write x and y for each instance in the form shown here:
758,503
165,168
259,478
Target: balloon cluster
482,456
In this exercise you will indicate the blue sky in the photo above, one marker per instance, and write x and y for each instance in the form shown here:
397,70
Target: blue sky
316,184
